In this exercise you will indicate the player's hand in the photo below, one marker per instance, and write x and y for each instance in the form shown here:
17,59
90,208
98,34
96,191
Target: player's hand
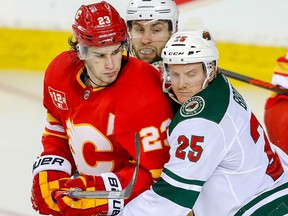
45,183
87,206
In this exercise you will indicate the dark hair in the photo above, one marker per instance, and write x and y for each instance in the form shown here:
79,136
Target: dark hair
73,43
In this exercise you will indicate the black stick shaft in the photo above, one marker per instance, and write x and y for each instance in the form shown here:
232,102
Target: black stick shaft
256,82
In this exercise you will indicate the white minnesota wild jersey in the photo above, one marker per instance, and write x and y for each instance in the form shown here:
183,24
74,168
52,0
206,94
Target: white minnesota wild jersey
221,161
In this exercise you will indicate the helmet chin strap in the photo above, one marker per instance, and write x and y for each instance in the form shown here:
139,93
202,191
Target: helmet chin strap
205,82
87,75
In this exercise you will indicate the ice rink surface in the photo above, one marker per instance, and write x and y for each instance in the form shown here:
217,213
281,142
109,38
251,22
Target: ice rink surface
22,123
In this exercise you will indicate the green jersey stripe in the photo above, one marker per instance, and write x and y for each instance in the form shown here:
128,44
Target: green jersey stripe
180,196
277,207
182,180
279,202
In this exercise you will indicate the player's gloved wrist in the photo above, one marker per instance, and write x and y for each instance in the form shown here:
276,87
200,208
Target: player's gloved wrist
88,206
46,182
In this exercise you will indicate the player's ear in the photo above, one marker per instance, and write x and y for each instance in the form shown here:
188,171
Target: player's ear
214,74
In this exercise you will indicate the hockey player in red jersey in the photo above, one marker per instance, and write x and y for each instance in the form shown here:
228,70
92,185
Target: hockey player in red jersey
276,115
96,99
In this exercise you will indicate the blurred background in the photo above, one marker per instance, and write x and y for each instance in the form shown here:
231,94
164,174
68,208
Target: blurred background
250,34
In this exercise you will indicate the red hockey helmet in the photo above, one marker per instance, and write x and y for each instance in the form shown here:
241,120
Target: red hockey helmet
99,24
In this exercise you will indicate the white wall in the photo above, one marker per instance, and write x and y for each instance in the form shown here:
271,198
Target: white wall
46,14
261,22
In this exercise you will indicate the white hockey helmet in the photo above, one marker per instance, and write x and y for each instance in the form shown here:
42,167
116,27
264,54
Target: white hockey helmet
185,47
153,10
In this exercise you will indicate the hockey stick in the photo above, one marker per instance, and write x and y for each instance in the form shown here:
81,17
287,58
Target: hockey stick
124,194
256,82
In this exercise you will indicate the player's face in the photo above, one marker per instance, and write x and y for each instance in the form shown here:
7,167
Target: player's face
186,80
149,38
103,64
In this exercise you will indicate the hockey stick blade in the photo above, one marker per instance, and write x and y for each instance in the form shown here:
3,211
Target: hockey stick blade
124,194
266,85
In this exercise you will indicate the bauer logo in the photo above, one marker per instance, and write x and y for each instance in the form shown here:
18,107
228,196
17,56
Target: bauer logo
192,106
48,161
58,98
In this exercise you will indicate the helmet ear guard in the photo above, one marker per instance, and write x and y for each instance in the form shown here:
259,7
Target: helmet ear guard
82,51
208,67
166,81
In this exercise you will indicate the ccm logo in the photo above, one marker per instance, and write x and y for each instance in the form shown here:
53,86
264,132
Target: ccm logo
176,53
47,161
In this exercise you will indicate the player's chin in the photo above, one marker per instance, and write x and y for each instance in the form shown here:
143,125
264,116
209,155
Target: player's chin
108,80
182,98
112,80
147,58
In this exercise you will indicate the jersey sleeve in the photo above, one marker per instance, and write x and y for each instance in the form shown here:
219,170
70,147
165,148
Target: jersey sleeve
55,141
280,75
150,203
54,138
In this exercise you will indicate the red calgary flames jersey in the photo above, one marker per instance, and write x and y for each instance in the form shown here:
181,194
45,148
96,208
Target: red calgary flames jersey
95,128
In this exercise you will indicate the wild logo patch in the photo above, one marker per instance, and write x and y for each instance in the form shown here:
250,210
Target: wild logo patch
192,106
206,35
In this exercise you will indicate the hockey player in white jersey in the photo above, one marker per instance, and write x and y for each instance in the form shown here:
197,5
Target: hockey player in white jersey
221,162
151,23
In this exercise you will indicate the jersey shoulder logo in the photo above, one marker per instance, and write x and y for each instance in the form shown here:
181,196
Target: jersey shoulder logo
58,98
192,106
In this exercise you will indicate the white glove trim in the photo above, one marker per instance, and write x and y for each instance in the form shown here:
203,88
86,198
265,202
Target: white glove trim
51,162
112,183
